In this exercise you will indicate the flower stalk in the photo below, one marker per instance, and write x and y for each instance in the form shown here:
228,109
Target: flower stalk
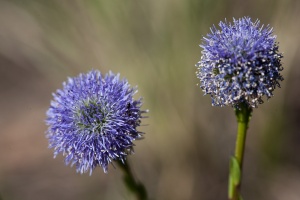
131,184
243,115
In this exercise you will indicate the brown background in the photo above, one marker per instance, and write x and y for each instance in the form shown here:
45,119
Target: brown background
154,44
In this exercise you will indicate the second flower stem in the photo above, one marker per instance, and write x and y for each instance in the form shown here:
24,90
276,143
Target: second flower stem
243,117
243,114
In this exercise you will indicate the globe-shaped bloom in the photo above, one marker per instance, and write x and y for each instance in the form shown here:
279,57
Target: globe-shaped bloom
93,120
240,63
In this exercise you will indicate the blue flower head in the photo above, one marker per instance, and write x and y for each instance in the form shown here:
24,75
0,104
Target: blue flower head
240,63
93,120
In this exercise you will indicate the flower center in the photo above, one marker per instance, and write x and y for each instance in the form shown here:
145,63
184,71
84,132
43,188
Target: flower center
91,116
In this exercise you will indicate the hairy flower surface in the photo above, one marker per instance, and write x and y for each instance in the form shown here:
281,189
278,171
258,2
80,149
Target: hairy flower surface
240,63
93,120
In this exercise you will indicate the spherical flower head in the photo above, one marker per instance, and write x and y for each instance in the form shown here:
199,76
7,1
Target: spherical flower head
93,120
240,63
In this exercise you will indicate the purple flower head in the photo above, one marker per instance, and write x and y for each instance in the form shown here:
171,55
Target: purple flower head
93,120
240,63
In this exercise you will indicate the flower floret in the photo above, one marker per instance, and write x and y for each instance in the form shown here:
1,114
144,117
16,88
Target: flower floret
240,63
93,120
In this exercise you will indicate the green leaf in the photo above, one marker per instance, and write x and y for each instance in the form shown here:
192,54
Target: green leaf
234,176
235,171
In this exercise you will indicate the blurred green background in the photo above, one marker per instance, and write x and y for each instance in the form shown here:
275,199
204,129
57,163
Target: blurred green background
154,44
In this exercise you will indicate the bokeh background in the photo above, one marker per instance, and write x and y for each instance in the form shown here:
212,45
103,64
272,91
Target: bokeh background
154,44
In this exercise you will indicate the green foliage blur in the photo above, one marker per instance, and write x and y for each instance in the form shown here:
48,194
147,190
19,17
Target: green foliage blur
154,44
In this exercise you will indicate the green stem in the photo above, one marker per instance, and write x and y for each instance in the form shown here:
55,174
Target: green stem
243,115
132,185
